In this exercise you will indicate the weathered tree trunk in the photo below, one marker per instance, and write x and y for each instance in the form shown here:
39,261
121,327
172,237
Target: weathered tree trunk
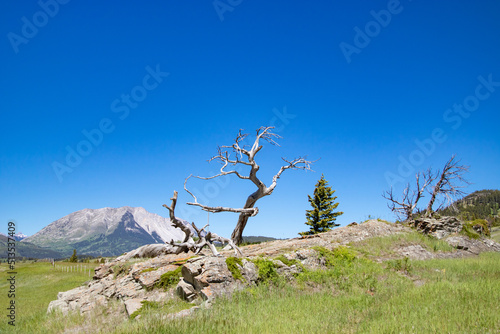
437,187
224,157
237,235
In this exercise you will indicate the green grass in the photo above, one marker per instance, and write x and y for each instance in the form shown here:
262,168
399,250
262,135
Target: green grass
232,264
267,270
36,285
353,295
495,234
469,231
169,279
150,308
459,296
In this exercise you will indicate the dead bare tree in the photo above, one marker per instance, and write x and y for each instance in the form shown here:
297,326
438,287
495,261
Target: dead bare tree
405,207
188,244
451,180
245,156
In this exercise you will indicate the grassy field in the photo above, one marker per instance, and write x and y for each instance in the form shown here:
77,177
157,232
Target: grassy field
495,234
37,283
451,296
354,295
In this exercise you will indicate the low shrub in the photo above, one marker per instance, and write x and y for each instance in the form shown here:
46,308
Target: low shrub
232,264
169,279
267,270
403,265
469,231
481,224
121,269
340,255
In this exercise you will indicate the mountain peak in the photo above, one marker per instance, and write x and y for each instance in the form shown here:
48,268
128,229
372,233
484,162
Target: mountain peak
106,231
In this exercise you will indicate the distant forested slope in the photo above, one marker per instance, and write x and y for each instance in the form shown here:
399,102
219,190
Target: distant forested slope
480,204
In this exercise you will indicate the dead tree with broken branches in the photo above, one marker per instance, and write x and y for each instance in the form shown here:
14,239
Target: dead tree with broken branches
405,207
451,181
205,239
236,155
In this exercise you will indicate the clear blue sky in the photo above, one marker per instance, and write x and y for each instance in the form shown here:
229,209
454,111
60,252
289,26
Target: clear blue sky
352,83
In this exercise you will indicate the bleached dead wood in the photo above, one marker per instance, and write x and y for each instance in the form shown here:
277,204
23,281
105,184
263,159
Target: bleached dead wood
239,154
188,244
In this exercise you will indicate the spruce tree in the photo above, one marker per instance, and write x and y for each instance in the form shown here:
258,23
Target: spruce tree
321,217
73,257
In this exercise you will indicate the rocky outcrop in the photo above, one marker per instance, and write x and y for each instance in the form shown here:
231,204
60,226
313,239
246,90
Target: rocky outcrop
474,246
203,278
210,277
130,283
206,277
439,228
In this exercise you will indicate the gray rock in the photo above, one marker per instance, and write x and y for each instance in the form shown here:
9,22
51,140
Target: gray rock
186,290
132,305
474,246
58,305
190,270
415,252
439,228
249,271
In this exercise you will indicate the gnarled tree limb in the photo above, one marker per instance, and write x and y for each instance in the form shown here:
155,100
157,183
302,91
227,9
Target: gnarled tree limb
248,153
188,244
451,180
405,207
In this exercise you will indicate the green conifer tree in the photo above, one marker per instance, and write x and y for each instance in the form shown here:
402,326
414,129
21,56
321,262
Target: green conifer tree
321,217
73,257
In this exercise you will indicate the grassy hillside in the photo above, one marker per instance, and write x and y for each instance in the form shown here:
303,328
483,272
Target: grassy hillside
478,205
495,234
29,250
459,296
356,294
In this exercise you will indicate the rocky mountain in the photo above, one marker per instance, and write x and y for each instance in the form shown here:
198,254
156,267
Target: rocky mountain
105,232
20,236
